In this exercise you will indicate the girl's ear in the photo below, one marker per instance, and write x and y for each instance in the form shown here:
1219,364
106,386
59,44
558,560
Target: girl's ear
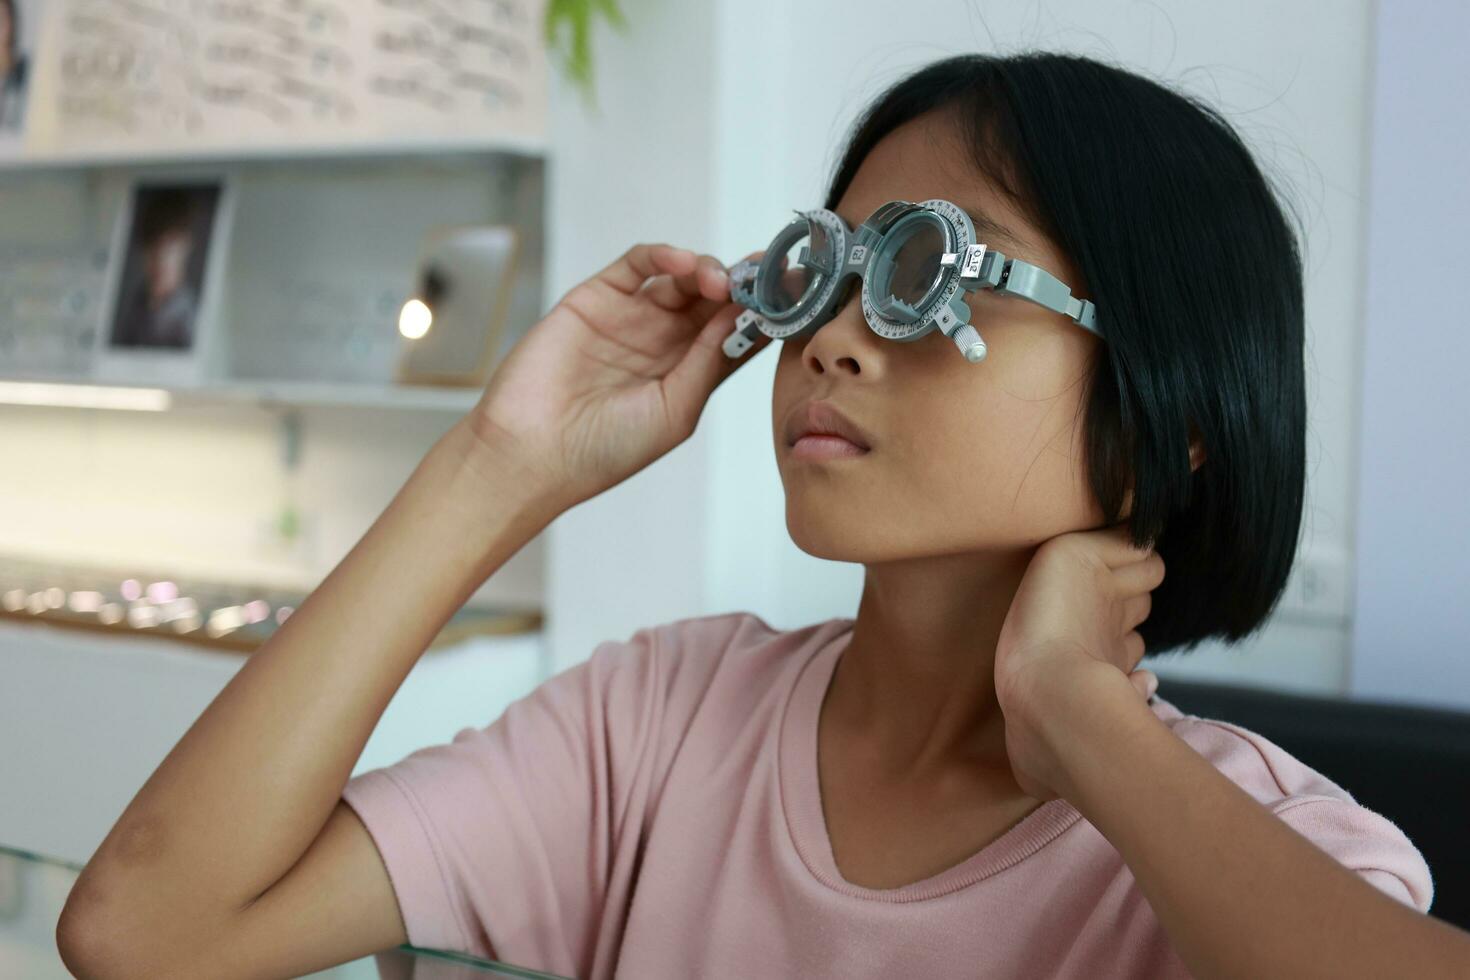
1196,456
1196,448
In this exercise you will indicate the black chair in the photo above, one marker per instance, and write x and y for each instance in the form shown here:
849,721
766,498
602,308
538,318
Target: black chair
1411,764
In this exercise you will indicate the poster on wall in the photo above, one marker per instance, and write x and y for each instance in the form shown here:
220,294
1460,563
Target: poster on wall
164,77
19,27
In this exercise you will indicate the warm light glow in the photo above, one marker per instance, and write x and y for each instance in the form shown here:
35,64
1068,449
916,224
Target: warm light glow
415,319
84,396
161,592
178,609
225,619
143,616
187,624
85,601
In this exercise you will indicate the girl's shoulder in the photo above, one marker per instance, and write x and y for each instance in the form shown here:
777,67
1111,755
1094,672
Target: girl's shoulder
736,654
1309,802
711,637
1256,764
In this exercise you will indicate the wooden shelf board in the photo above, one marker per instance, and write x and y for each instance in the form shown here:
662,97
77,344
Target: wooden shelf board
264,391
403,148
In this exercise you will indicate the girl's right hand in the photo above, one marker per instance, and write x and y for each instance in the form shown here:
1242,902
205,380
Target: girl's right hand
616,375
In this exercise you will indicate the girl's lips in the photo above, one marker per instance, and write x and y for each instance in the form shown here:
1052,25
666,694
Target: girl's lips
825,447
823,418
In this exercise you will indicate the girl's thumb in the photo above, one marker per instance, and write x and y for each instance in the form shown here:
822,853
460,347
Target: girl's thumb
705,364
1145,682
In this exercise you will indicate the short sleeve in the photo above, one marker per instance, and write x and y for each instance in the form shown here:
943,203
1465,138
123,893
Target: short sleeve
502,842
1364,841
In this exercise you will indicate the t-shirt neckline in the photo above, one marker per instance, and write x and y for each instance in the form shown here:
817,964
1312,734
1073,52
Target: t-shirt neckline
801,798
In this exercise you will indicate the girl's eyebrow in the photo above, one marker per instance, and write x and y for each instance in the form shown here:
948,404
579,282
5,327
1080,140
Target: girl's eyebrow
991,232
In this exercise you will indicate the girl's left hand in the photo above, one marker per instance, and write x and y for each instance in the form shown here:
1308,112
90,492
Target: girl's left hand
1075,612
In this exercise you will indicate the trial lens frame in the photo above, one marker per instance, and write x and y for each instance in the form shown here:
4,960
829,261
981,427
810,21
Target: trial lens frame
963,267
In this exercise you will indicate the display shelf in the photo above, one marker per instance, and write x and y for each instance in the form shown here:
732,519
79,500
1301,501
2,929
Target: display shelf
406,147
231,615
426,398
62,392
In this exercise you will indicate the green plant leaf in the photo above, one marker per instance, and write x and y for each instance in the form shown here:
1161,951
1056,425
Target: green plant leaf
568,31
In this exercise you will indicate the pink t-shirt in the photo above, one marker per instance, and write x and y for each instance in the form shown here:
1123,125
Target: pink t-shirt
654,811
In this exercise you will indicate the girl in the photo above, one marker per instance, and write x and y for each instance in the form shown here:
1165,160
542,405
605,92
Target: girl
969,777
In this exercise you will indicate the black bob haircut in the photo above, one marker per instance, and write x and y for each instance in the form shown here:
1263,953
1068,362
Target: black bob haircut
1197,277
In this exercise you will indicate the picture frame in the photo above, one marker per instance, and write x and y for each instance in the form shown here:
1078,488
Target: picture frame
19,28
161,308
465,277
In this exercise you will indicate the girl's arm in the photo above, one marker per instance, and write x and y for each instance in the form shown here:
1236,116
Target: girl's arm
237,858
225,863
1239,893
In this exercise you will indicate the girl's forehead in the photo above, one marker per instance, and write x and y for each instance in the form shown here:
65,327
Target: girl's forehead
927,157
924,159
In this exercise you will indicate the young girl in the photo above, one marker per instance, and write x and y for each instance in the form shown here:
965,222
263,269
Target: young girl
969,777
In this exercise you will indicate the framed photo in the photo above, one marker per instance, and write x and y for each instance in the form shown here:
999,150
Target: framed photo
159,321
19,27
465,280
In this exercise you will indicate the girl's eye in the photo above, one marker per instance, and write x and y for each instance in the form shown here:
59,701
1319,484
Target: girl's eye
924,275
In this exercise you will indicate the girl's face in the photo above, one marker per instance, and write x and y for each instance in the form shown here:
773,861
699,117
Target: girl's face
167,260
964,457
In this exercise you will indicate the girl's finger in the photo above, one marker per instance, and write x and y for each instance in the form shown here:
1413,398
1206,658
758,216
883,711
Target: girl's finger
664,292
644,261
709,279
1140,577
1133,649
1146,682
1117,546
1136,609
704,366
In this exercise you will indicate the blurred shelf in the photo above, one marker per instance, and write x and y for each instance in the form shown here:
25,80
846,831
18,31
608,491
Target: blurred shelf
71,392
232,616
396,149
342,394
466,624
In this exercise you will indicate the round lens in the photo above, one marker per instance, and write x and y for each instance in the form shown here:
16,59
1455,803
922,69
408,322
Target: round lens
792,267
907,271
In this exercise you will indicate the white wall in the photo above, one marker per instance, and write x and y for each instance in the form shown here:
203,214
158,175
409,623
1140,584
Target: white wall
761,130
640,167
1413,572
